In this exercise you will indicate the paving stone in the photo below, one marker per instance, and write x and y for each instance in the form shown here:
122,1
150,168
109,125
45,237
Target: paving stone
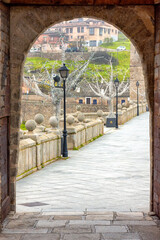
99,212
31,230
109,229
99,217
73,229
67,217
81,237
63,213
21,223
50,224
10,237
129,216
120,236
41,237
147,232
141,223
87,222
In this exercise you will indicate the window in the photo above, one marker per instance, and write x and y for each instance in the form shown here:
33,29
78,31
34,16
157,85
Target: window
71,30
100,42
122,101
91,31
67,30
45,39
78,29
71,37
115,31
88,100
100,31
112,30
82,29
82,37
80,101
94,101
109,31
93,43
104,30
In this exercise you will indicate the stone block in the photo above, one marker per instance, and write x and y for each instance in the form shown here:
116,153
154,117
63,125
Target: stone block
81,236
129,216
73,229
120,236
41,237
86,222
10,236
138,223
100,217
50,224
110,229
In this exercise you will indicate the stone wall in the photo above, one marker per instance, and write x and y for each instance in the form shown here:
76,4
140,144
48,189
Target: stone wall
136,74
36,152
32,104
83,133
28,22
4,112
156,163
38,149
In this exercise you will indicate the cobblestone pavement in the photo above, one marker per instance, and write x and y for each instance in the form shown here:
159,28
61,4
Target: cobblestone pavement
87,225
111,173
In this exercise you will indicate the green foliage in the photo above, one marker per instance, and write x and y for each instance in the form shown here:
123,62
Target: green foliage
22,127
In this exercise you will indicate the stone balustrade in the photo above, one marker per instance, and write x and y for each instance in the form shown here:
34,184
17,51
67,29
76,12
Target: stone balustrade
126,114
83,133
37,149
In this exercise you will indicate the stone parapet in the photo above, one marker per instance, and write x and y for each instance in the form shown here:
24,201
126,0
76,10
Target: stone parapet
36,152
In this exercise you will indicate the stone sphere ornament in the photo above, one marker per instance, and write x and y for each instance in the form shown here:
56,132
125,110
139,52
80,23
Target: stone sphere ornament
53,122
78,108
81,117
30,125
119,106
100,113
39,118
70,119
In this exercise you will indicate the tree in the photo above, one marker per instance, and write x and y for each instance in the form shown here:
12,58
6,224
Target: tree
45,78
104,87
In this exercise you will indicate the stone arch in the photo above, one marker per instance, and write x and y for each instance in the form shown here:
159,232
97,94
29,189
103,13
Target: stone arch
27,23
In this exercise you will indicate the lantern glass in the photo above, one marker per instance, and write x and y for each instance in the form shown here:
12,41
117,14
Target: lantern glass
137,84
64,71
116,82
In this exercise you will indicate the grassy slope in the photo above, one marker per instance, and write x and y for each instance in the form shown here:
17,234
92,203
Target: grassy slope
123,58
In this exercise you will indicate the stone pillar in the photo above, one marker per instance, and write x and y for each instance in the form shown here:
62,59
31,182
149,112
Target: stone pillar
136,74
156,148
4,111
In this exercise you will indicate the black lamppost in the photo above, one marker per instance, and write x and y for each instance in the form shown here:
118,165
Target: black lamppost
116,83
137,85
64,72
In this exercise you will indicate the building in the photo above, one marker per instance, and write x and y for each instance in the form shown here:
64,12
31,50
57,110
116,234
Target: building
86,31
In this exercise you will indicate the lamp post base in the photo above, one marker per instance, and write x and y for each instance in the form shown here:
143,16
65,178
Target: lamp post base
65,150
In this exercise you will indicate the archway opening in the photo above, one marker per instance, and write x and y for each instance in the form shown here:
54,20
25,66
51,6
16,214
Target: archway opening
42,203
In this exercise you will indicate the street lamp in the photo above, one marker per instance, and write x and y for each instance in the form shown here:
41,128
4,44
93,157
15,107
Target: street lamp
64,72
137,85
116,83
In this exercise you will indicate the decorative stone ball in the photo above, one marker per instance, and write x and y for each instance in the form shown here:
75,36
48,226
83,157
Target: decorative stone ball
81,117
119,106
70,119
100,113
124,104
53,121
39,118
30,125
78,108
